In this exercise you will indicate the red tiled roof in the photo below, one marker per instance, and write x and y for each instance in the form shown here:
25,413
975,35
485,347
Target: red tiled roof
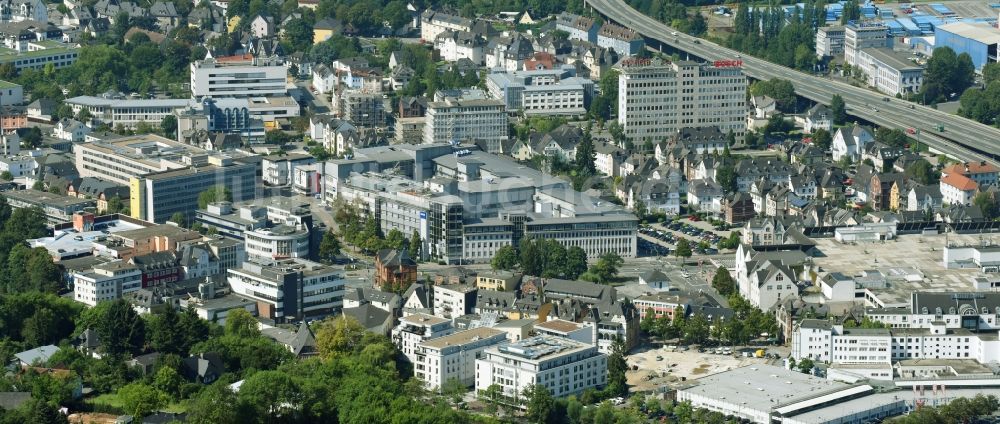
960,182
971,168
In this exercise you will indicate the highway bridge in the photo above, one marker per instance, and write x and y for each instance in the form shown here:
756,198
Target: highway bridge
962,138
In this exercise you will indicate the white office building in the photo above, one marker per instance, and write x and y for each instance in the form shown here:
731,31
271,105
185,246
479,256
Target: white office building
656,98
453,357
414,329
830,41
469,116
238,76
276,243
108,281
127,112
290,289
861,36
565,367
542,92
890,72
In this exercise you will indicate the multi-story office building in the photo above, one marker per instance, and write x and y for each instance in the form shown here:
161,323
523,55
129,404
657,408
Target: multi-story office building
821,341
128,113
565,367
276,243
108,281
238,76
453,357
248,117
863,35
39,54
415,329
596,235
829,41
656,98
542,92
468,116
289,289
234,220
57,208
157,196
890,72
165,176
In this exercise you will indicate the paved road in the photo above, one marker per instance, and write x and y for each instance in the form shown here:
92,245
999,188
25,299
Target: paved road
963,139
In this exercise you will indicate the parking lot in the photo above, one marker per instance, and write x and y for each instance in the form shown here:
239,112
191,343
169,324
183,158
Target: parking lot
667,366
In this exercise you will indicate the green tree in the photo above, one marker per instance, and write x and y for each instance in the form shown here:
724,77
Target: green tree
270,394
805,365
395,239
6,176
822,139
139,399
781,90
32,137
617,366
168,382
540,403
179,218
946,73
606,267
505,259
329,247
985,202
240,323
576,262
215,194
414,248
213,405
339,336
116,205
585,154
723,281
726,176
838,109
683,249
922,172
492,397
852,12
696,329
121,330
41,328
169,126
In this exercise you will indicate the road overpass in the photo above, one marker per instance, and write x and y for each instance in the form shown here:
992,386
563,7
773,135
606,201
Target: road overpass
963,139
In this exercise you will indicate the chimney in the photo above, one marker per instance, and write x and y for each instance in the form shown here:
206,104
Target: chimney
83,221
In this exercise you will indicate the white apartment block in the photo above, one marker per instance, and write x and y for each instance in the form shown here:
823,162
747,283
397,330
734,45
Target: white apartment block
463,119
107,281
434,23
565,367
289,289
276,243
455,45
453,357
415,329
957,189
974,311
820,341
863,35
656,98
890,72
453,300
238,76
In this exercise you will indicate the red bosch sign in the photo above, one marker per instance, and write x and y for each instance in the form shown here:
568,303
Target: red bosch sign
728,63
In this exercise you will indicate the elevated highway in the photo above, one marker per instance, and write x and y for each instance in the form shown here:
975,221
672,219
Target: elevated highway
963,139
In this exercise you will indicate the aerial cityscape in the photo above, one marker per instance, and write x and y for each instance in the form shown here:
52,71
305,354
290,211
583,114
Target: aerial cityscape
580,212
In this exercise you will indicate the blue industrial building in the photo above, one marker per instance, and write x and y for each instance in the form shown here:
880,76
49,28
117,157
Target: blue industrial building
978,40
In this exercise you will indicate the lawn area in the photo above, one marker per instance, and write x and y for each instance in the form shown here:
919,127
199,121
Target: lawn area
111,400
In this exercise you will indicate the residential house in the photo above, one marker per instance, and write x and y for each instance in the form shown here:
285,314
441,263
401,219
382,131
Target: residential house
607,158
394,269
766,278
705,195
508,53
71,130
625,41
701,140
849,142
655,279
326,28
658,196
455,45
262,27
372,318
323,79
560,143
805,154
818,117
881,155
880,192
203,368
774,171
165,14
957,189
738,208
400,77
412,107
982,173
924,198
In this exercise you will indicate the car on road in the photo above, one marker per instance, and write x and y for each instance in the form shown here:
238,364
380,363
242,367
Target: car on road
674,33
